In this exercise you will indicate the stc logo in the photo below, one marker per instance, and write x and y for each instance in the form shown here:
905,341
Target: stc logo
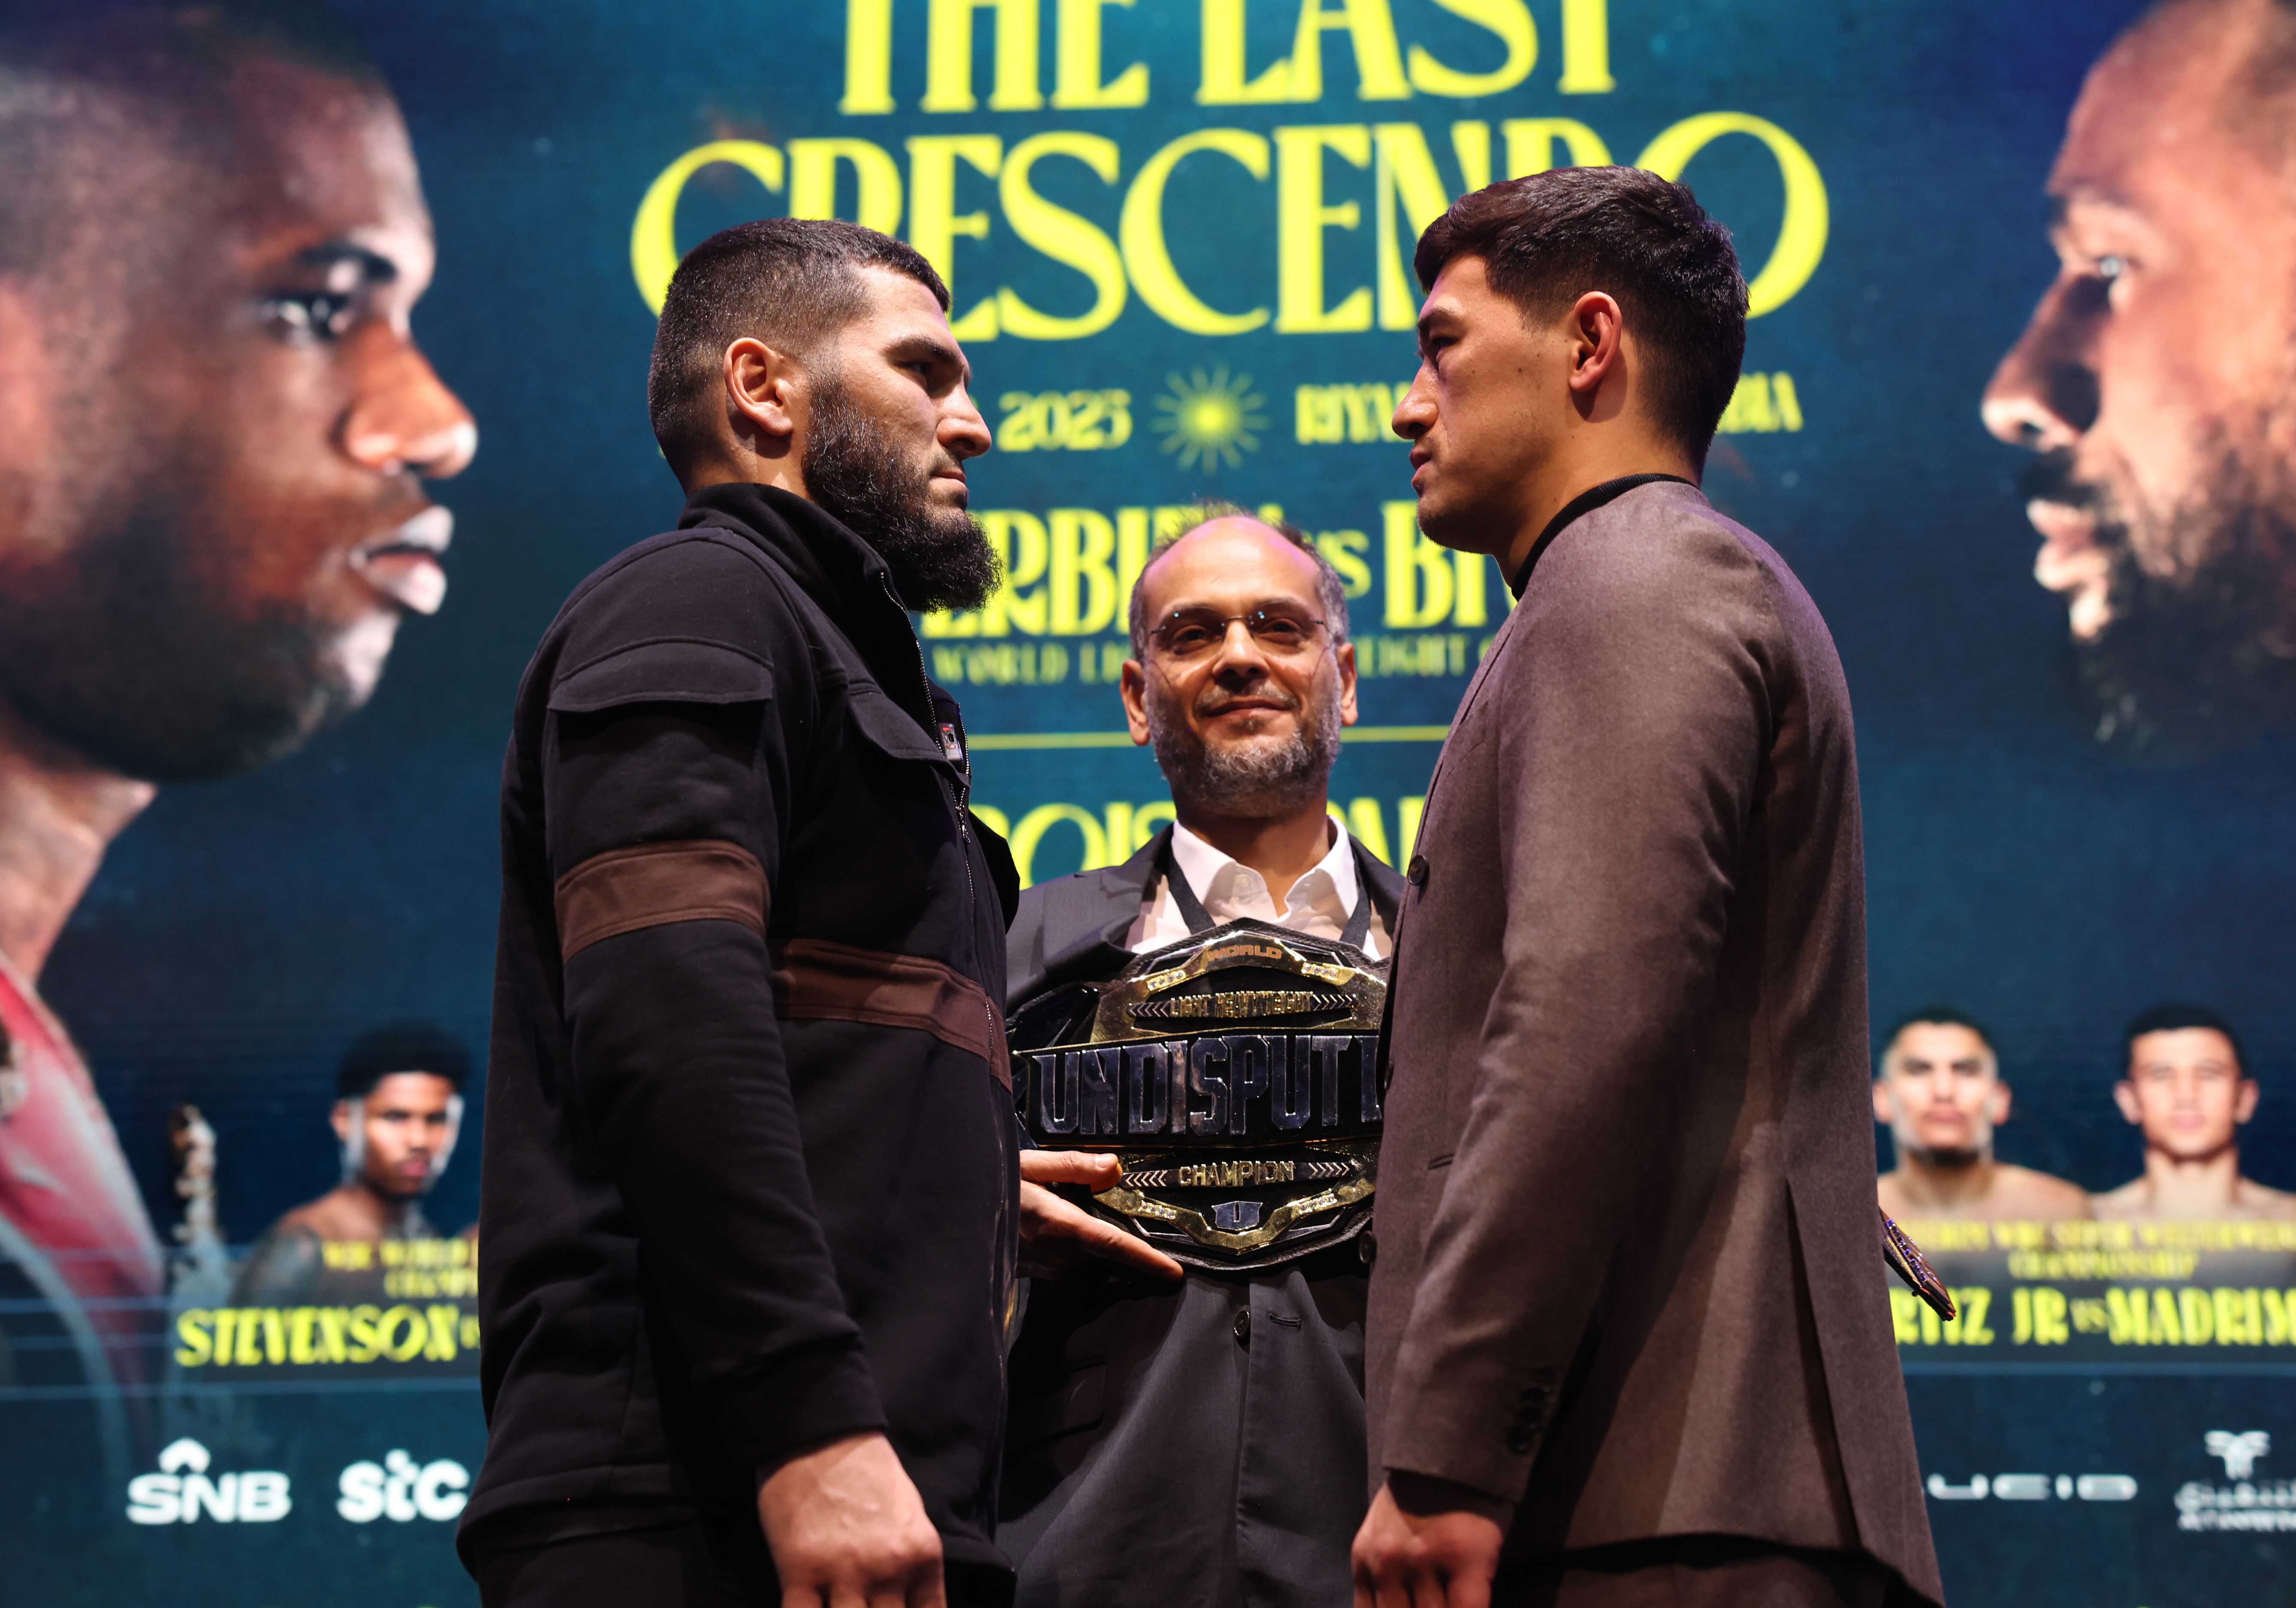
174,1496
400,1488
2239,1452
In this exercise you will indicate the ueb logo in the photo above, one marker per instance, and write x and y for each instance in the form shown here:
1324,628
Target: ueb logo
181,1491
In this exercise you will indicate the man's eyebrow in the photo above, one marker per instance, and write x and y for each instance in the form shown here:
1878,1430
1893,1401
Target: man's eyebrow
911,347
373,267
2088,198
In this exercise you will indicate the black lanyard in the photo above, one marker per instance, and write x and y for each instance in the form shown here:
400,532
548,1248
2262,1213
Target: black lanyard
1193,911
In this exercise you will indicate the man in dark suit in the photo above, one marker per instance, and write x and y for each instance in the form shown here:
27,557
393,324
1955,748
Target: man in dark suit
1628,1336
1179,1441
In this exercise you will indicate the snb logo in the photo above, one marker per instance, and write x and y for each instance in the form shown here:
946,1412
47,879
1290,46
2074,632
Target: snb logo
181,1491
400,1488
2239,1451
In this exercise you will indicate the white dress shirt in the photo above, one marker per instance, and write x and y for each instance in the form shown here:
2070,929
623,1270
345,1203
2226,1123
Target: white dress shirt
1319,903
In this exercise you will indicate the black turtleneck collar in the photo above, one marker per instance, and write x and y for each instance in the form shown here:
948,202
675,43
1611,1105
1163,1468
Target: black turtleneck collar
1585,502
827,557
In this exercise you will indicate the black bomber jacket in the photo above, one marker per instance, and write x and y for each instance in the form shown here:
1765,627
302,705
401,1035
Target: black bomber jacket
750,1173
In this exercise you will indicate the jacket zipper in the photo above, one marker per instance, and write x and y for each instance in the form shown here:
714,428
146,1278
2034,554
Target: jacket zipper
963,792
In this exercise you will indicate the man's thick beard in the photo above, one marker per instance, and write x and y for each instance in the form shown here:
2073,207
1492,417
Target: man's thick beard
2185,668
121,657
1255,779
939,557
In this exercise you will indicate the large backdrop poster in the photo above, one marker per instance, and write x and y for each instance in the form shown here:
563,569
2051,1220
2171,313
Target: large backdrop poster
249,751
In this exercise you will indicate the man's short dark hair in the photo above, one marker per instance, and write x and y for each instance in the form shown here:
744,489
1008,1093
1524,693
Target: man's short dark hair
77,76
403,1046
1939,1016
2175,1017
789,281
1331,591
1549,239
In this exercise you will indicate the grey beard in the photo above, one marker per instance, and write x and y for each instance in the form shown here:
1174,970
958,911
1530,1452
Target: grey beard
1256,779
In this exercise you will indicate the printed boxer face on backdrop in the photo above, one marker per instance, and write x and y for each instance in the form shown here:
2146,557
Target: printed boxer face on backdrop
1250,723
2185,1089
890,426
399,1138
1940,1092
2157,380
218,421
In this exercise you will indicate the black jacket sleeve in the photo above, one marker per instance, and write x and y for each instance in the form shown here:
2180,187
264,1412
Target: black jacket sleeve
667,734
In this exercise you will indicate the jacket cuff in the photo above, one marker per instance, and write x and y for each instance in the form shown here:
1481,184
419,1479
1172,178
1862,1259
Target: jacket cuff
805,1400
1486,1439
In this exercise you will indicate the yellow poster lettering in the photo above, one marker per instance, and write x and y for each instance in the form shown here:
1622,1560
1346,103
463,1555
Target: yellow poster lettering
198,1345
1509,21
868,58
1405,177
1369,27
948,56
1531,144
935,223
1141,230
1077,63
1083,579
653,236
1586,48
1062,235
813,166
1029,836
1222,82
1301,221
1802,231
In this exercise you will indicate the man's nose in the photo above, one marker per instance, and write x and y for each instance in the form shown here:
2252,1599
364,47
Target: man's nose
2043,395
1415,414
963,431
405,420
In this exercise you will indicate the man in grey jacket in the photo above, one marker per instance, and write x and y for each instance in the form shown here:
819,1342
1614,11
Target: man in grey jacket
1628,1338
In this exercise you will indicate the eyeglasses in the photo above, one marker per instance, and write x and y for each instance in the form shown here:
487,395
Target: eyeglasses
1192,633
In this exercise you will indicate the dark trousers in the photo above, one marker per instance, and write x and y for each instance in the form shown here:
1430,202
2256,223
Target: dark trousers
1699,1571
687,1565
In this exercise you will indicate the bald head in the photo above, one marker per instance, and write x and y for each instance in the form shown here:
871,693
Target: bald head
1228,535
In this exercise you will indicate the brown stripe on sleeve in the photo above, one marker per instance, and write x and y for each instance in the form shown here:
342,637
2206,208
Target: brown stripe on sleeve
816,980
653,885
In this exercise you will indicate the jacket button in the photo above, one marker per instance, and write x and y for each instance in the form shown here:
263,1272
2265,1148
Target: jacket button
1367,1247
1244,1327
1415,874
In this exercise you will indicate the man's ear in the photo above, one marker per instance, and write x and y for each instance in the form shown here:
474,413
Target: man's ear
766,394
1346,656
1594,330
2124,1095
2244,1101
1996,1103
1885,1103
339,1119
1133,686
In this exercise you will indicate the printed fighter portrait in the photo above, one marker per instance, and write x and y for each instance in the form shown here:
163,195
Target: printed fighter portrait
212,512
2156,382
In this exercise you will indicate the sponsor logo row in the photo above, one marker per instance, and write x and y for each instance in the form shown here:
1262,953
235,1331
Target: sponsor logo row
186,1489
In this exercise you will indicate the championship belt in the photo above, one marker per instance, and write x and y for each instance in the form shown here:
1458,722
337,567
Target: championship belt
1234,1074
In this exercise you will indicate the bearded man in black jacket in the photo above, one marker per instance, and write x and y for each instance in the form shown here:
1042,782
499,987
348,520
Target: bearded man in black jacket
750,1181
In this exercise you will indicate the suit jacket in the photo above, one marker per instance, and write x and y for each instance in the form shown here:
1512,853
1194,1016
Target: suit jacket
1629,1272
1180,1445
1074,927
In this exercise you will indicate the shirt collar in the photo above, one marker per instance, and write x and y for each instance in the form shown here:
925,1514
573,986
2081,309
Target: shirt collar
1203,865
1578,506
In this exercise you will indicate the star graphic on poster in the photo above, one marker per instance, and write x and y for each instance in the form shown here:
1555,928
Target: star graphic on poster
1211,420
